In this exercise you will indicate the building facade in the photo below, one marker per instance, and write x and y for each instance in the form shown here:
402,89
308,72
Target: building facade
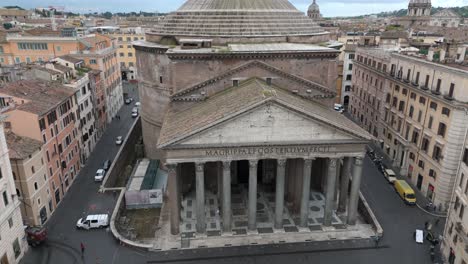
243,158
348,58
46,112
31,181
422,117
101,54
126,54
13,243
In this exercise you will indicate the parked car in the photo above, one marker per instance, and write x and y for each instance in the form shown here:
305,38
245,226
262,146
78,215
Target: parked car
405,192
128,101
36,235
99,177
106,165
118,140
93,221
339,108
390,175
137,104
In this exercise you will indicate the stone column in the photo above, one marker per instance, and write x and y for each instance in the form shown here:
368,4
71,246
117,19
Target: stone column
354,196
200,193
226,196
344,184
279,201
174,197
305,192
234,171
330,192
253,194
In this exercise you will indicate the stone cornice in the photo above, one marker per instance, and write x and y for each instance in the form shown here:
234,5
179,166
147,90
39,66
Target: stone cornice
182,95
156,50
253,55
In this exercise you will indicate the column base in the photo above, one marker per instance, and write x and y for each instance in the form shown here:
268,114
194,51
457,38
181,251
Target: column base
328,228
252,232
278,230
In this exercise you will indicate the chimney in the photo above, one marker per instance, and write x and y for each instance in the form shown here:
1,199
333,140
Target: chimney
430,55
442,55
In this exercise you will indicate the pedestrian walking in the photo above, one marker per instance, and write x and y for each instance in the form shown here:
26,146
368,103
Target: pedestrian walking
82,248
436,222
426,224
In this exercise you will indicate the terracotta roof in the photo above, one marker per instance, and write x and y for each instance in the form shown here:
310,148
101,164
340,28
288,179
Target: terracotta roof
21,147
179,124
43,96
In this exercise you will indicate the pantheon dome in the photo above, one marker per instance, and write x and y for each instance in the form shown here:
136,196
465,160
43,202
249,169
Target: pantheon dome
237,21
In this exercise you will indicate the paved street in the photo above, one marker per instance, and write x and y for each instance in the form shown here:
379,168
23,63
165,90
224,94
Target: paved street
64,240
398,220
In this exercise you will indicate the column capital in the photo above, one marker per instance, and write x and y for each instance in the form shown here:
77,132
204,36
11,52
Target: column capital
332,162
253,163
358,160
227,165
282,163
199,166
171,167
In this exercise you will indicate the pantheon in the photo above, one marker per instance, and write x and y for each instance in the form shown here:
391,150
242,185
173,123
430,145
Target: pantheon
237,101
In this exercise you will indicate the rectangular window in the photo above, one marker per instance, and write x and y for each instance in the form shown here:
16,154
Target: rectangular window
422,100
439,84
5,198
429,123
16,248
348,77
10,222
350,67
446,111
442,129
433,105
451,90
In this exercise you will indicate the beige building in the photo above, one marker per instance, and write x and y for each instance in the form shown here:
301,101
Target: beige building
13,242
126,53
423,116
32,184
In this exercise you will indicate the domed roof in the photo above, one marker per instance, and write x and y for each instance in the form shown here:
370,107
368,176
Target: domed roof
314,7
237,18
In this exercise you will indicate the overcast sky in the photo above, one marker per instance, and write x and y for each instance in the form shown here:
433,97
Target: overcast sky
327,7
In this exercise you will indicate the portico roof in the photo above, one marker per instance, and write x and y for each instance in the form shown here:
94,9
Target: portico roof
182,122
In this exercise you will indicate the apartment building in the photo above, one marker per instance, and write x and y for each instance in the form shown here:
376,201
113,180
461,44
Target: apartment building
13,242
369,87
424,118
126,53
454,247
46,112
100,53
31,181
348,57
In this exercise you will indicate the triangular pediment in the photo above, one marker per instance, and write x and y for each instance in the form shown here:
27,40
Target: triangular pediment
269,123
254,69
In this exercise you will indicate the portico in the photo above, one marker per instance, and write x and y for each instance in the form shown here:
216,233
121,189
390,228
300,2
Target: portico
274,157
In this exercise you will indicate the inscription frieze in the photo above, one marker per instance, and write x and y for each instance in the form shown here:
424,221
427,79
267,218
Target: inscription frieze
249,151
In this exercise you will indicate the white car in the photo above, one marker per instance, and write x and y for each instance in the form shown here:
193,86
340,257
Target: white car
137,104
118,140
99,175
134,114
339,108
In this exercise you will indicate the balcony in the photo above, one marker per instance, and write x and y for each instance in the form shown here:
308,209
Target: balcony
415,84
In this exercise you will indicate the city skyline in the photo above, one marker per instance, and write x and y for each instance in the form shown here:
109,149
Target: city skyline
329,8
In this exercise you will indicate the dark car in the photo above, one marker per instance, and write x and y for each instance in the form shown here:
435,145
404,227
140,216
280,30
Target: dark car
106,165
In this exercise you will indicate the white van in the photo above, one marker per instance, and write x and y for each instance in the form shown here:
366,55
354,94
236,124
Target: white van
93,221
339,108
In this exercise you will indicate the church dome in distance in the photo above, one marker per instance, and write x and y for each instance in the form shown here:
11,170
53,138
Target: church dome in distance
241,19
314,7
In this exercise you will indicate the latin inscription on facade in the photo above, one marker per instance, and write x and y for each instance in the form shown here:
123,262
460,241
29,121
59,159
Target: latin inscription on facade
249,151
